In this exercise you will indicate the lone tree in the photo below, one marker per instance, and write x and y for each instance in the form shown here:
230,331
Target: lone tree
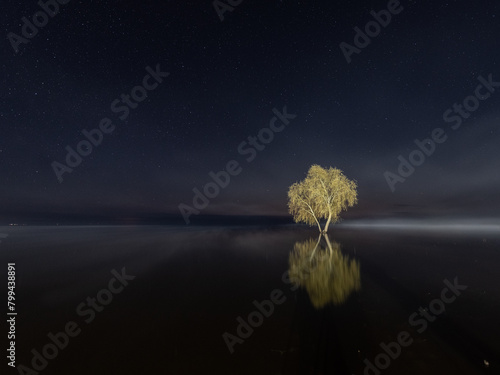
323,194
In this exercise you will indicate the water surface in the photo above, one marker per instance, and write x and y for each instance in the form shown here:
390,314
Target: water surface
193,284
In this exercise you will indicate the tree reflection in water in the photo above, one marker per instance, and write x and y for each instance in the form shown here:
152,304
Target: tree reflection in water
327,275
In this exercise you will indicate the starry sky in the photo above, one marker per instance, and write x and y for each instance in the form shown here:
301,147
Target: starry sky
225,77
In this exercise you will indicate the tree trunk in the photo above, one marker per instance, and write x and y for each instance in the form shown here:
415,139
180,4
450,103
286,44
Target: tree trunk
314,251
317,222
328,244
327,223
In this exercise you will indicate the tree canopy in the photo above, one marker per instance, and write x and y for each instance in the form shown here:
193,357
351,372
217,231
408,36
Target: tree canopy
323,194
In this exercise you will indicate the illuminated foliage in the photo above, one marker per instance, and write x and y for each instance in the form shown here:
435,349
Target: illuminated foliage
323,194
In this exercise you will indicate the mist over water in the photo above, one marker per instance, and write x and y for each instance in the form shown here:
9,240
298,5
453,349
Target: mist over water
470,226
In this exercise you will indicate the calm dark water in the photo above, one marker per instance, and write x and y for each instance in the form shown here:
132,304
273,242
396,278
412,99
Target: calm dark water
192,285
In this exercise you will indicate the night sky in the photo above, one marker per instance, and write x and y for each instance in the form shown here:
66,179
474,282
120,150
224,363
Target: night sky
225,78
